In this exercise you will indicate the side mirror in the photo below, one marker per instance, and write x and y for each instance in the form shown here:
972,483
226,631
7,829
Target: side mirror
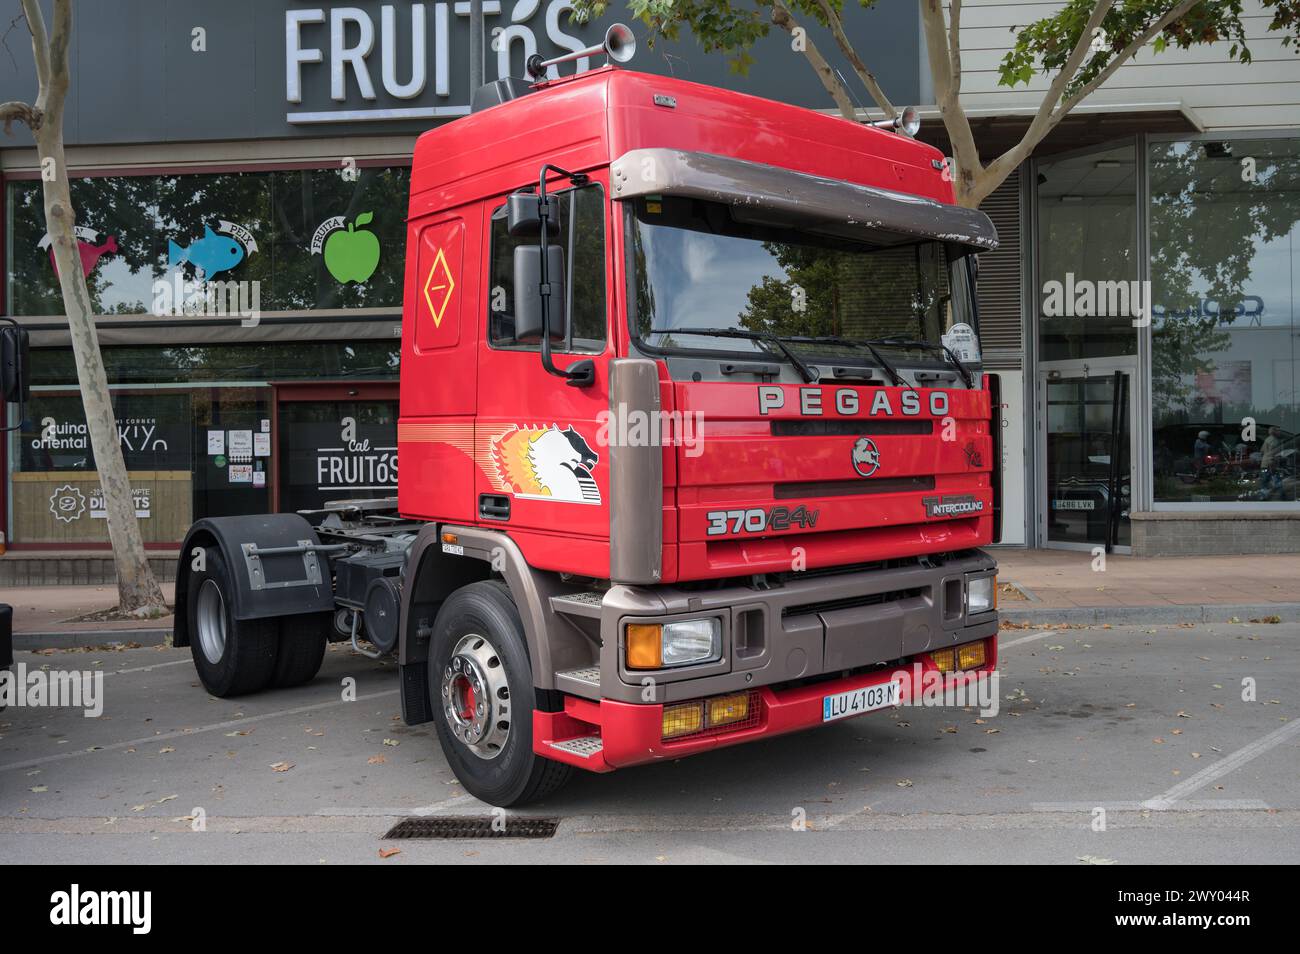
528,299
523,215
15,361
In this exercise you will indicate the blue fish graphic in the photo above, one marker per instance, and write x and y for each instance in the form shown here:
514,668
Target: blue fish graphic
211,254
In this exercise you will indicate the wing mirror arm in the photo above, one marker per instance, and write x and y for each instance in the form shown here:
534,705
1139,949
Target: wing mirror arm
582,373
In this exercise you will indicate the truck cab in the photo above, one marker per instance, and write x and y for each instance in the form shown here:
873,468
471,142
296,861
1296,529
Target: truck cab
695,444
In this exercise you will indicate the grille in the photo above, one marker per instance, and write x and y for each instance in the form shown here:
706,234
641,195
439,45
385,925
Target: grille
850,602
455,826
851,428
851,488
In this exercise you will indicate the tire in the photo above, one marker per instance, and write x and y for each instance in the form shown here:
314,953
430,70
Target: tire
478,639
233,657
302,648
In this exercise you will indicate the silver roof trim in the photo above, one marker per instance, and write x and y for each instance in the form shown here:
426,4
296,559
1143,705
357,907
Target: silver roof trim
762,194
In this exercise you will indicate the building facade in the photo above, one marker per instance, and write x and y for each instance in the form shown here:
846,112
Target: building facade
266,146
1147,295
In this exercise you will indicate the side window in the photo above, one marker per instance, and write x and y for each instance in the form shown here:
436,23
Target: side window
582,235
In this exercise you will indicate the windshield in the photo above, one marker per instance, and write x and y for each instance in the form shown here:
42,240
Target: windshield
693,266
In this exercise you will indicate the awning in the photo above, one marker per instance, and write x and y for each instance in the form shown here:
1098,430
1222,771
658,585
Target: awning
761,194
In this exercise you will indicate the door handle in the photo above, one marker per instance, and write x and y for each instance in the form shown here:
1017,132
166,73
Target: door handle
494,506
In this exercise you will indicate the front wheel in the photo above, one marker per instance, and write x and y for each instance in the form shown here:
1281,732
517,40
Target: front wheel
481,688
232,656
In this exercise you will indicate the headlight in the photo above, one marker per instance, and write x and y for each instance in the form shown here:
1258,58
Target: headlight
683,643
980,595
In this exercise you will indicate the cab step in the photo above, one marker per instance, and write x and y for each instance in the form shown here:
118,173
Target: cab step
586,746
586,604
583,682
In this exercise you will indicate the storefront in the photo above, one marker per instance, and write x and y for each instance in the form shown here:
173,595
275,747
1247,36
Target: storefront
1166,328
263,150
1142,309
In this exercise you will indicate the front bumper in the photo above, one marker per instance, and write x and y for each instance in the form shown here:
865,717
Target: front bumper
818,624
619,734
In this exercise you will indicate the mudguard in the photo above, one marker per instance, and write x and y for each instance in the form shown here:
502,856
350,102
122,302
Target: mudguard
265,586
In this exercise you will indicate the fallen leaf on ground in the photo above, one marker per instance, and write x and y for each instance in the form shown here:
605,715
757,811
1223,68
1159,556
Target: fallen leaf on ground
281,766
389,852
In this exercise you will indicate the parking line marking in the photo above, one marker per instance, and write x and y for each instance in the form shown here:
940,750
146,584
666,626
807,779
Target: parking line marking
1213,805
174,662
1026,639
182,733
1229,763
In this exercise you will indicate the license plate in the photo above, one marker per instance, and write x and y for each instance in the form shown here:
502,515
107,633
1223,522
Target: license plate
842,705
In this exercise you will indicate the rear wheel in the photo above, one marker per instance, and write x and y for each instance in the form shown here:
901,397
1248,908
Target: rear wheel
481,688
232,656
302,648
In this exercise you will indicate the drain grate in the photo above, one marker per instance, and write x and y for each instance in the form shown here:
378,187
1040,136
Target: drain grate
458,826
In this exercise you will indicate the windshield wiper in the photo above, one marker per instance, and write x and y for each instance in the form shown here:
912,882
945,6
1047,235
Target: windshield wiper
901,342
767,337
839,342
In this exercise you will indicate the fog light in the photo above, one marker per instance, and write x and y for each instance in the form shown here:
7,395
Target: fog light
724,710
683,719
980,595
945,659
970,655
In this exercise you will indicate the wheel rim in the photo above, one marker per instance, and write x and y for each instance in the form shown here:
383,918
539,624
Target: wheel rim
476,697
210,615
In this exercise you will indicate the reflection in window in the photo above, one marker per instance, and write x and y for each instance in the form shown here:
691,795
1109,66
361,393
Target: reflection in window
1087,238
694,266
581,234
1225,253
312,239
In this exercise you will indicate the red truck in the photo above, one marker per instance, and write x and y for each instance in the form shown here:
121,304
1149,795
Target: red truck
689,454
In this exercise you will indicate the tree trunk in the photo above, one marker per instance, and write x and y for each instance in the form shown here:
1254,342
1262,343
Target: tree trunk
138,590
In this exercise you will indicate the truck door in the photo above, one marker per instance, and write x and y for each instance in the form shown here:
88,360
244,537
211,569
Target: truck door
542,471
435,433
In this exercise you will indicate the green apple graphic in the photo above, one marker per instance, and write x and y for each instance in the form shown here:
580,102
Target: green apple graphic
353,256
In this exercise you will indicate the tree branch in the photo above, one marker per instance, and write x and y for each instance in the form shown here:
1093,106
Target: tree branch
1001,167
868,78
938,43
40,45
1040,124
18,112
783,18
954,42
1122,57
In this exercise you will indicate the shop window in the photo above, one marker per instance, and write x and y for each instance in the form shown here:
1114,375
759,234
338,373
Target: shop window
310,239
1087,256
582,235
189,453
336,450
1225,250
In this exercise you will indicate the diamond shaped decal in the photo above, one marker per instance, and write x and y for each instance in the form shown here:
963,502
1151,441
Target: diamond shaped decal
438,287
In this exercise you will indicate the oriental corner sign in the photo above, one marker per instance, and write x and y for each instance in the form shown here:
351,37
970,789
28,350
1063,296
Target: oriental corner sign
391,58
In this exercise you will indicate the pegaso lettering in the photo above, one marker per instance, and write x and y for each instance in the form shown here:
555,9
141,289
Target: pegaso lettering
847,402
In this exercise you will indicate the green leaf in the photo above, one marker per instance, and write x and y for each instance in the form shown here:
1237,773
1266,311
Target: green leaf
365,218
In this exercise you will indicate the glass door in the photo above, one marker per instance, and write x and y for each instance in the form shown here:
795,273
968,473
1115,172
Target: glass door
333,442
1087,484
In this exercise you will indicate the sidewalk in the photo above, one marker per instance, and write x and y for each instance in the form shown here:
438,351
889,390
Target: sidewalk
1062,586
45,616
1055,586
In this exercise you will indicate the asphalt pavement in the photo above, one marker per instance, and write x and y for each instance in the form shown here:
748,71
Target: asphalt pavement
1125,744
